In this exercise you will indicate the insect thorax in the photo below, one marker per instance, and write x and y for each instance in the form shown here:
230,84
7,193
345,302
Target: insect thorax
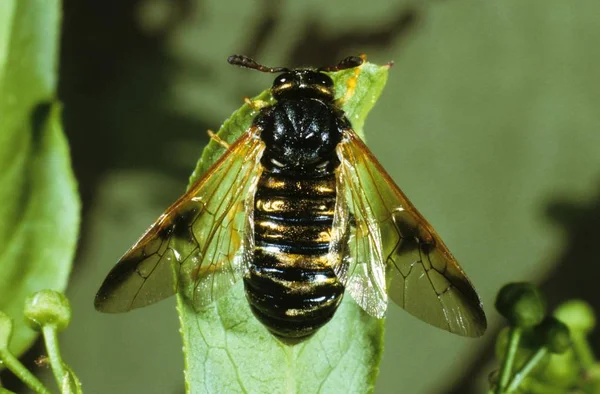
302,130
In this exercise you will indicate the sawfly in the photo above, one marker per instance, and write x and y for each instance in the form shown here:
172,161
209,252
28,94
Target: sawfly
301,211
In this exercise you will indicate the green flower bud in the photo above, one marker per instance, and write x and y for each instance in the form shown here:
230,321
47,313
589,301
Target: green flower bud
561,370
554,334
47,307
577,315
521,304
6,329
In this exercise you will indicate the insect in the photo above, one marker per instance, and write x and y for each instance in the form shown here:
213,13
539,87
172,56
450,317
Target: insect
302,212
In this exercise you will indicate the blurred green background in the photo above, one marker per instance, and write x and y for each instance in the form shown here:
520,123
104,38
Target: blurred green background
489,122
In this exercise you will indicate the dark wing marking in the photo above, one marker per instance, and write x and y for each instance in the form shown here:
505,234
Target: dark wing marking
202,237
390,245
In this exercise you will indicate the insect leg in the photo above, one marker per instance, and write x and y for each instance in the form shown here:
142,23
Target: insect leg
256,104
217,139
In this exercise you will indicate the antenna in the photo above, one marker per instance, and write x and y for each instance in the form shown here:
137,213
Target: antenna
349,62
247,62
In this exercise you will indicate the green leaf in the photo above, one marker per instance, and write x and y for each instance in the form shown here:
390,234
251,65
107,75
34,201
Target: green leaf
227,350
39,206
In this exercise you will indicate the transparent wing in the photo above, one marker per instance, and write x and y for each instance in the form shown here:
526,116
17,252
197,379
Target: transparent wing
203,237
355,249
391,246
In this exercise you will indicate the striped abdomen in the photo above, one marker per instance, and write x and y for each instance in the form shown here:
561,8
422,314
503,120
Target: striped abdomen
290,285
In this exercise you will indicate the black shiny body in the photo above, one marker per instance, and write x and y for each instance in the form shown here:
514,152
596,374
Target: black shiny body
291,286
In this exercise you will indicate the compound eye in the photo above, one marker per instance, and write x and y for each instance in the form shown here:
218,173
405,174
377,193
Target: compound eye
325,81
319,79
282,80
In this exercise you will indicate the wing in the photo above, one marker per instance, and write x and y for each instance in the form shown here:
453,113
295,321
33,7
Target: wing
201,243
392,250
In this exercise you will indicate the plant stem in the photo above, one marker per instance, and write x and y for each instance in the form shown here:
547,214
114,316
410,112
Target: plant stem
58,369
19,370
514,337
583,350
526,369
